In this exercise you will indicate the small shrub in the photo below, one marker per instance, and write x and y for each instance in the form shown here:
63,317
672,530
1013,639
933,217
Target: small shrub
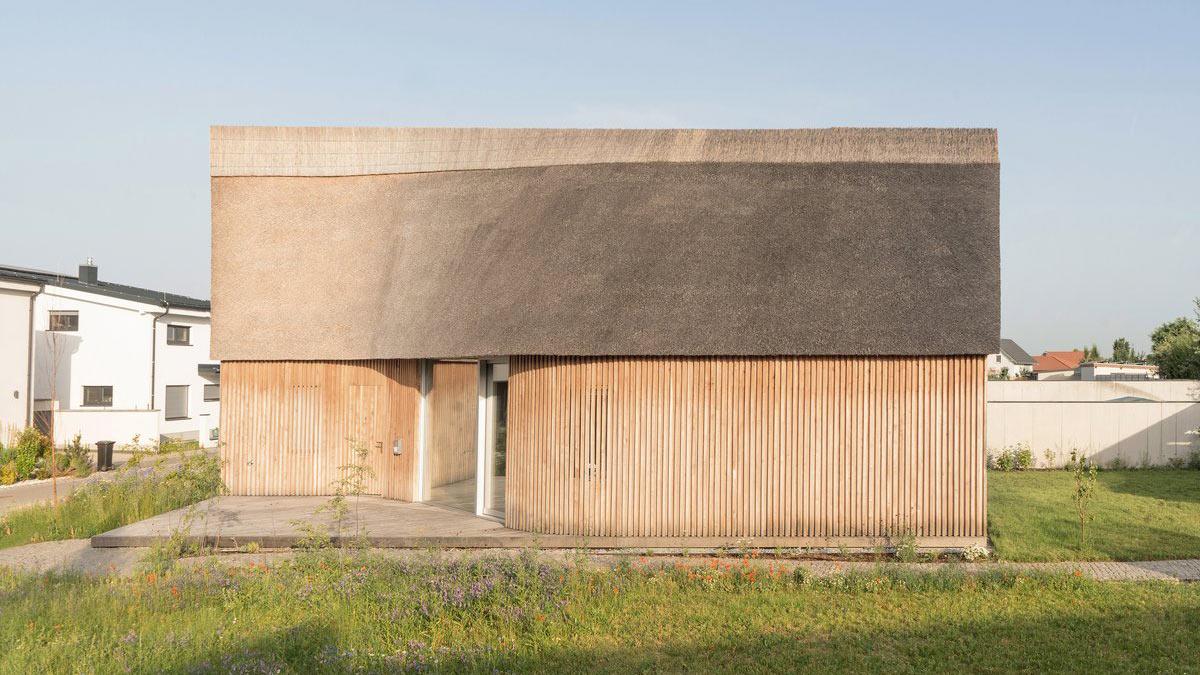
1176,463
1003,460
8,473
973,553
1117,464
906,548
1049,458
1194,460
25,464
27,453
75,458
1012,458
1022,457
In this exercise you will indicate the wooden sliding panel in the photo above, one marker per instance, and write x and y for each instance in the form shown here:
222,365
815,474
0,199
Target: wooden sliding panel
288,426
453,401
820,447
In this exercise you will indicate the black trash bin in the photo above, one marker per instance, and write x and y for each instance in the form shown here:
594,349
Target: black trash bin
104,455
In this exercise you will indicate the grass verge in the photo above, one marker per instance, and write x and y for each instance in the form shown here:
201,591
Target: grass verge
137,491
1139,515
367,614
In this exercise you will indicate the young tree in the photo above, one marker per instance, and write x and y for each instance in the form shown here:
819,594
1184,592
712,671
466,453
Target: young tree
56,350
1091,353
1085,490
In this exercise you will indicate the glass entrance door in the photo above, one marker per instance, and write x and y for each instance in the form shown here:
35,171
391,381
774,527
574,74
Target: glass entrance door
496,440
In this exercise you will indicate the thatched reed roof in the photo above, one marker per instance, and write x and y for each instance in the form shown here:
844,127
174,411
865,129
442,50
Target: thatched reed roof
386,243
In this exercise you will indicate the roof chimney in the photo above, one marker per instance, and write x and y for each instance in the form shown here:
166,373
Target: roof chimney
88,272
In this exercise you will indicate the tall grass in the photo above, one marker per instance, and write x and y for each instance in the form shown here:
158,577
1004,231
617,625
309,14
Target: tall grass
332,613
137,491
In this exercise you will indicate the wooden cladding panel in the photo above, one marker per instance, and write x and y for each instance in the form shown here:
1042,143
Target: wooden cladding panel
747,447
453,421
287,426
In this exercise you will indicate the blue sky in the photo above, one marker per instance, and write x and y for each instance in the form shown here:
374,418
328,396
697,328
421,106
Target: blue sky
105,108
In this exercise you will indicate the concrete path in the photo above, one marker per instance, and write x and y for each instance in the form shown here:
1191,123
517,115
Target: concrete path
77,555
70,555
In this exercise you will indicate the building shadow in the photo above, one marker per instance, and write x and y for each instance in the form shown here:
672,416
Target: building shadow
1031,642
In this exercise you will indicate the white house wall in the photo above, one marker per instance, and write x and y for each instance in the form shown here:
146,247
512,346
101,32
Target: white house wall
997,362
99,424
113,347
14,357
176,365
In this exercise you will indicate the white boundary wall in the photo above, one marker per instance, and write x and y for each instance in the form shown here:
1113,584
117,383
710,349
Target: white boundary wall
106,425
1142,423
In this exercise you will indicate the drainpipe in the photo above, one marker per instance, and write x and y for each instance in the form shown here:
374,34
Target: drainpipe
29,362
154,347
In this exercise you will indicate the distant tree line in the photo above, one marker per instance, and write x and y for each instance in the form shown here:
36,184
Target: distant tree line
1174,348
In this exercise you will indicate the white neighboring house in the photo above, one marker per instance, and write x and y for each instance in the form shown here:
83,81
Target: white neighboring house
115,361
1011,359
16,354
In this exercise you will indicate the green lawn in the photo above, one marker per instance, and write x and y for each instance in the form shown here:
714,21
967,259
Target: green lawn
1139,515
531,615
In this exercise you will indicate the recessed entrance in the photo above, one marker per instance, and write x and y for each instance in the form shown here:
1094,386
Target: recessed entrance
451,400
466,435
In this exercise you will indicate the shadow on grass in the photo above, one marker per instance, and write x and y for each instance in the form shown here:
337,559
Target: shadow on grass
1110,636
1167,485
308,647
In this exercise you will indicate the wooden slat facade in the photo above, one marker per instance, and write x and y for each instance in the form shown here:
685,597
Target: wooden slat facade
287,426
808,447
814,448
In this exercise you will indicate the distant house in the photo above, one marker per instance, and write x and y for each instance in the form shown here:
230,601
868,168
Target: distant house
1057,365
1071,366
112,361
1104,371
1011,361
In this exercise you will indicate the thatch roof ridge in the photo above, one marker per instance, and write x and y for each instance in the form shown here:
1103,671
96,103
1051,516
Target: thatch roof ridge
353,151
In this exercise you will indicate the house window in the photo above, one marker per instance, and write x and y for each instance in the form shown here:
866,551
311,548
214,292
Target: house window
177,402
179,335
64,321
97,396
212,392
997,358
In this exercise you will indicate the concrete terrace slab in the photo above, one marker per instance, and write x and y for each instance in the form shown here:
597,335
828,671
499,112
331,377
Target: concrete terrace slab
271,522
231,522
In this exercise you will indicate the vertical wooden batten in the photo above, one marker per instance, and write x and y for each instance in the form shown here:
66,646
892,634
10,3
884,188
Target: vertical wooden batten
817,447
287,426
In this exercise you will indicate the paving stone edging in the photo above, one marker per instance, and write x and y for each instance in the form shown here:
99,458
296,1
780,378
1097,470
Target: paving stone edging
77,555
